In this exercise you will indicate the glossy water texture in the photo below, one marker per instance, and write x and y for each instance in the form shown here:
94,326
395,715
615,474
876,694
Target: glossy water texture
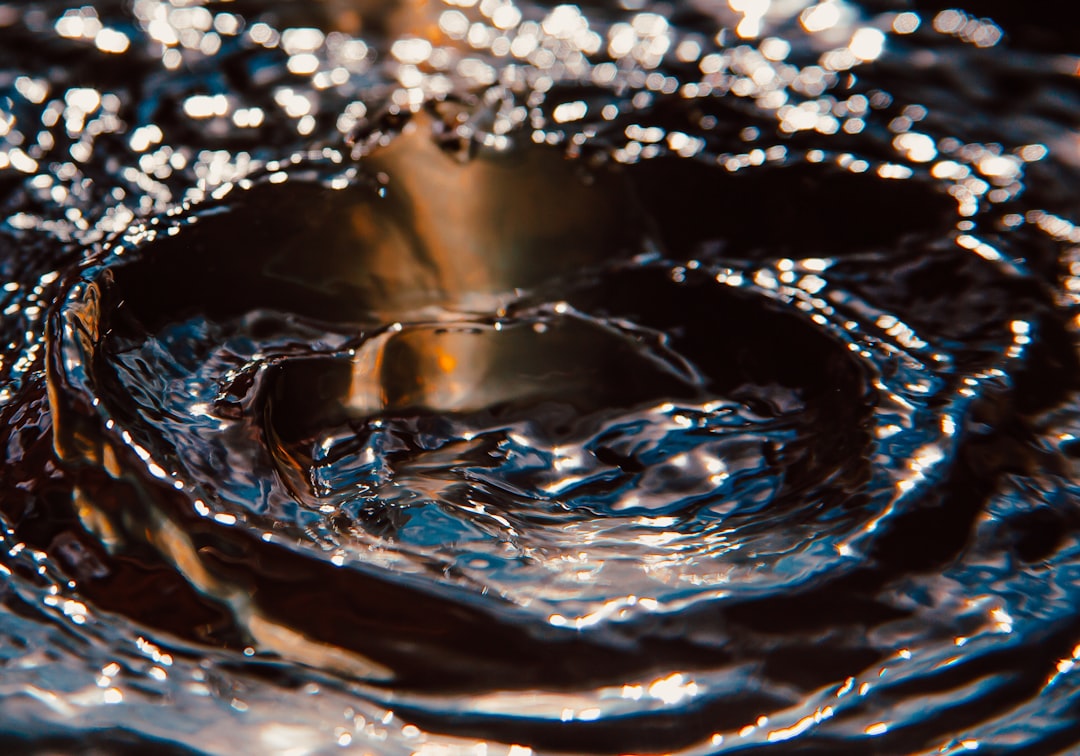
481,378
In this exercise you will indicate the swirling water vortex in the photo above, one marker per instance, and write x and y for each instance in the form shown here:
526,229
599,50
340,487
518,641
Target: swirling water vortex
492,378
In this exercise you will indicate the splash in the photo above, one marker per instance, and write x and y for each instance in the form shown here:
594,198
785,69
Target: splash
498,378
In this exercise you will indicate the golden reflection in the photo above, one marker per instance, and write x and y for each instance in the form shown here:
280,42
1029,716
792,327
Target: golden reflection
450,233
453,232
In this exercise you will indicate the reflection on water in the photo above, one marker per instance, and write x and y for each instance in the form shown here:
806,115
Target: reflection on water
471,377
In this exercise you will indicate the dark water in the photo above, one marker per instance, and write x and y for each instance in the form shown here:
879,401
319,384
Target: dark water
484,379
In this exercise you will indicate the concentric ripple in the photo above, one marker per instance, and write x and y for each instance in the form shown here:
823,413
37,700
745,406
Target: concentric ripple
597,434
484,378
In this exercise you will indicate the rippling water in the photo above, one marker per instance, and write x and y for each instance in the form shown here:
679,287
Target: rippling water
481,378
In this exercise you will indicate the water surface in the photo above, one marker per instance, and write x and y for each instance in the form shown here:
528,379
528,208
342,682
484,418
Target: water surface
494,378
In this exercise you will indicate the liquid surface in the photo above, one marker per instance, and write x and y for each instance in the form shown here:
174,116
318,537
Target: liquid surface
493,378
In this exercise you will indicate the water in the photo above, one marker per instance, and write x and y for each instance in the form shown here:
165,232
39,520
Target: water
508,379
